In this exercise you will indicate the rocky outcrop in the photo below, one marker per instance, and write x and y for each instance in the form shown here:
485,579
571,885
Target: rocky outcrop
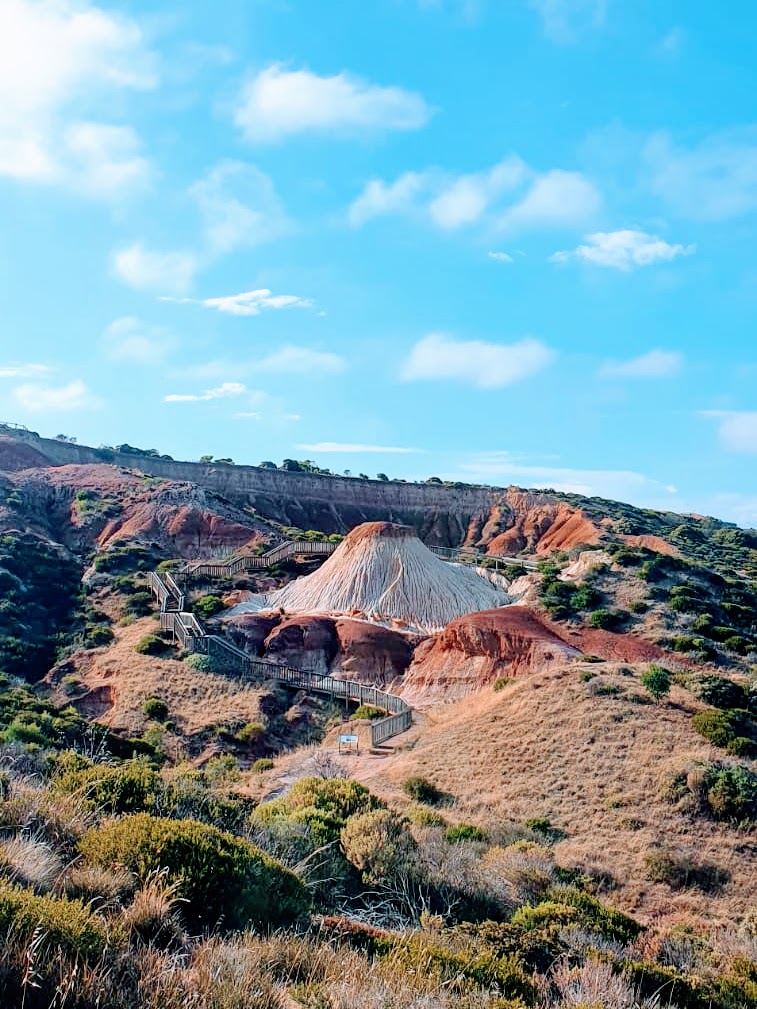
341,646
475,650
529,522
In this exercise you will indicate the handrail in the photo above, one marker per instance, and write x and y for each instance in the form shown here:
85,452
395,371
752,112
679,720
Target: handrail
293,548
189,632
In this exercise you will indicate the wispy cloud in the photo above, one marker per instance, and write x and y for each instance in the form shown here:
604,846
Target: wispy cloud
239,207
51,52
223,391
356,448
23,370
61,399
714,180
247,303
618,485
564,21
737,429
278,103
301,361
623,250
151,270
654,364
132,340
501,257
486,365
510,196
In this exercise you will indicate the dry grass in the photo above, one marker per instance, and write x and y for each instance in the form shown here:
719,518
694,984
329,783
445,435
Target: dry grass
29,861
592,763
119,680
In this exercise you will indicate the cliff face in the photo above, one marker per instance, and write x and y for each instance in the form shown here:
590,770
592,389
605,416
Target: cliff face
440,515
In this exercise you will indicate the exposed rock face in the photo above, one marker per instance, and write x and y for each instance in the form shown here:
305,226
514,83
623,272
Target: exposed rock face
98,506
656,543
524,521
476,649
344,647
384,572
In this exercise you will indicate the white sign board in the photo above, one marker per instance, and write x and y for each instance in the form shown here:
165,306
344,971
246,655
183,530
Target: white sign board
349,739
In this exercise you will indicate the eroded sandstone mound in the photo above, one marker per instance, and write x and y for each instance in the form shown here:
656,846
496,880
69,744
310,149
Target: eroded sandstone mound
535,523
383,572
476,649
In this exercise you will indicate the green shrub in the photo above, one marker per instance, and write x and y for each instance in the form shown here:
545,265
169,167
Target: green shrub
204,663
603,619
720,692
501,682
724,728
155,708
379,844
323,805
67,924
130,787
368,712
97,636
208,606
732,793
223,878
250,734
657,681
138,604
679,871
464,832
150,644
568,906
261,764
422,790
540,825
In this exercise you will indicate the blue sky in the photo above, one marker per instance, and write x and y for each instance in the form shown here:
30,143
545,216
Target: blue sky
500,240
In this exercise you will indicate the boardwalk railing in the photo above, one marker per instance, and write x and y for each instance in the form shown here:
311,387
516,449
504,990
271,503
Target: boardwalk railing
187,630
300,548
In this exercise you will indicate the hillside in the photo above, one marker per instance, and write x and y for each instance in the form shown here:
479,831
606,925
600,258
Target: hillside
583,748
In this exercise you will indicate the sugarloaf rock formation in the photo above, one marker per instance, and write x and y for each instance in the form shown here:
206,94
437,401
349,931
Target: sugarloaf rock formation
383,572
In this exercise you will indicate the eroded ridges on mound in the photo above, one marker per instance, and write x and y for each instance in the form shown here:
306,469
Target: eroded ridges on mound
382,571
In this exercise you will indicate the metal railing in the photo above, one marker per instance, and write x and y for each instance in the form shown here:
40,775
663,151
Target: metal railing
187,630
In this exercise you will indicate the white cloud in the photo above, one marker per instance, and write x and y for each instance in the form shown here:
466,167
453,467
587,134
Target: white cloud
379,198
248,302
302,361
48,399
654,364
501,257
239,207
554,199
618,485
715,180
23,370
132,340
465,199
223,391
278,103
622,250
486,365
55,55
150,270
262,406
737,429
564,20
355,448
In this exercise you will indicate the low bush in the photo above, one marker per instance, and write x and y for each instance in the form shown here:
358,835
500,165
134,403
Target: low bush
501,682
97,636
130,787
679,871
150,644
368,712
731,730
223,879
720,692
422,790
155,708
66,924
460,832
540,825
208,606
261,764
138,604
250,734
603,619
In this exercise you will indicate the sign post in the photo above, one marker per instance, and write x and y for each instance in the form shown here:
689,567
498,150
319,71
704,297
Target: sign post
349,744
